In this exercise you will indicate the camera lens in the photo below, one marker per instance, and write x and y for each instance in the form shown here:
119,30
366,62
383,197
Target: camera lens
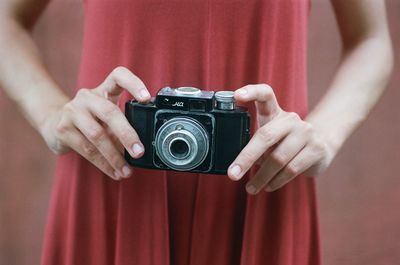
179,148
182,143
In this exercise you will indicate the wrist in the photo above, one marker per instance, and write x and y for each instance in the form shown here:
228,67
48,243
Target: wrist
334,134
40,107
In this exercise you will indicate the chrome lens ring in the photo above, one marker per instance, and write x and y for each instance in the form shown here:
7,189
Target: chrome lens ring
170,157
179,147
191,133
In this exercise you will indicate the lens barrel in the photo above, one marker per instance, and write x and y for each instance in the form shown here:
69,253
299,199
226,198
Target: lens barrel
182,143
179,148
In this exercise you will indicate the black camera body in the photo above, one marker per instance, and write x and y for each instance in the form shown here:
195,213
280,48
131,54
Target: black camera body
187,129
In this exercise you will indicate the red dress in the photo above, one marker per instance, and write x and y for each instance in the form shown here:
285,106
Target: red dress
161,218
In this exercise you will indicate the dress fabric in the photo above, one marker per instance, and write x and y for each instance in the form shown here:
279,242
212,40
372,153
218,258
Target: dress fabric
157,217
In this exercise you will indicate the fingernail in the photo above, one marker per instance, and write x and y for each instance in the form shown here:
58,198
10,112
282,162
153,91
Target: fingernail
137,149
117,175
126,171
242,91
144,93
251,189
235,172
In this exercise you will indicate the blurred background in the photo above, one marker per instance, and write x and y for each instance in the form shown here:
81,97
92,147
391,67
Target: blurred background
359,196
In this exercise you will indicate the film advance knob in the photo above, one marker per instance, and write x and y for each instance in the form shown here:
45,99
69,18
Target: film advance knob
225,100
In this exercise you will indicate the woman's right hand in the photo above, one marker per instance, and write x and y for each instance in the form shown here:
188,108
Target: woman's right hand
93,125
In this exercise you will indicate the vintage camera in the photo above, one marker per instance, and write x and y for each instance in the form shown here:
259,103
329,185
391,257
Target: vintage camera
187,129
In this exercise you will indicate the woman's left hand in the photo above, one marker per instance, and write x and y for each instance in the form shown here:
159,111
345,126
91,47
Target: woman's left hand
285,146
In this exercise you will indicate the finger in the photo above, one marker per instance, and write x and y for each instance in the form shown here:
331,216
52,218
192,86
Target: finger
82,146
264,96
262,158
113,138
277,160
111,115
303,161
264,138
122,78
98,136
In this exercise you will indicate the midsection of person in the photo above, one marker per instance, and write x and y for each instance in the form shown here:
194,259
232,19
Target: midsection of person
213,45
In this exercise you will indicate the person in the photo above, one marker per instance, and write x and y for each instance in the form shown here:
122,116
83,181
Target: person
103,211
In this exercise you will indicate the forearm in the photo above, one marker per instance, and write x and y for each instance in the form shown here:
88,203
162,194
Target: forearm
23,76
359,81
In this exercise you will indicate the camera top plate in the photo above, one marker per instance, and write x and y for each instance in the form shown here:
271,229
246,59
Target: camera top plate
185,99
191,92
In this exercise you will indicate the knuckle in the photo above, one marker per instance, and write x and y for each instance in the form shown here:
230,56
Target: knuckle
293,169
266,134
308,128
266,87
278,158
128,136
102,163
57,146
293,116
318,145
61,128
69,107
109,110
248,157
83,93
119,70
265,92
57,151
95,135
116,160
89,150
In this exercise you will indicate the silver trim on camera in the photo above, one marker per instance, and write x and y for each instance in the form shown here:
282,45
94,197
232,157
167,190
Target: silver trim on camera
187,90
225,100
190,133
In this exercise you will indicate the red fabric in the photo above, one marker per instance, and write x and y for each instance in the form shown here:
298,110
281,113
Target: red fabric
162,218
